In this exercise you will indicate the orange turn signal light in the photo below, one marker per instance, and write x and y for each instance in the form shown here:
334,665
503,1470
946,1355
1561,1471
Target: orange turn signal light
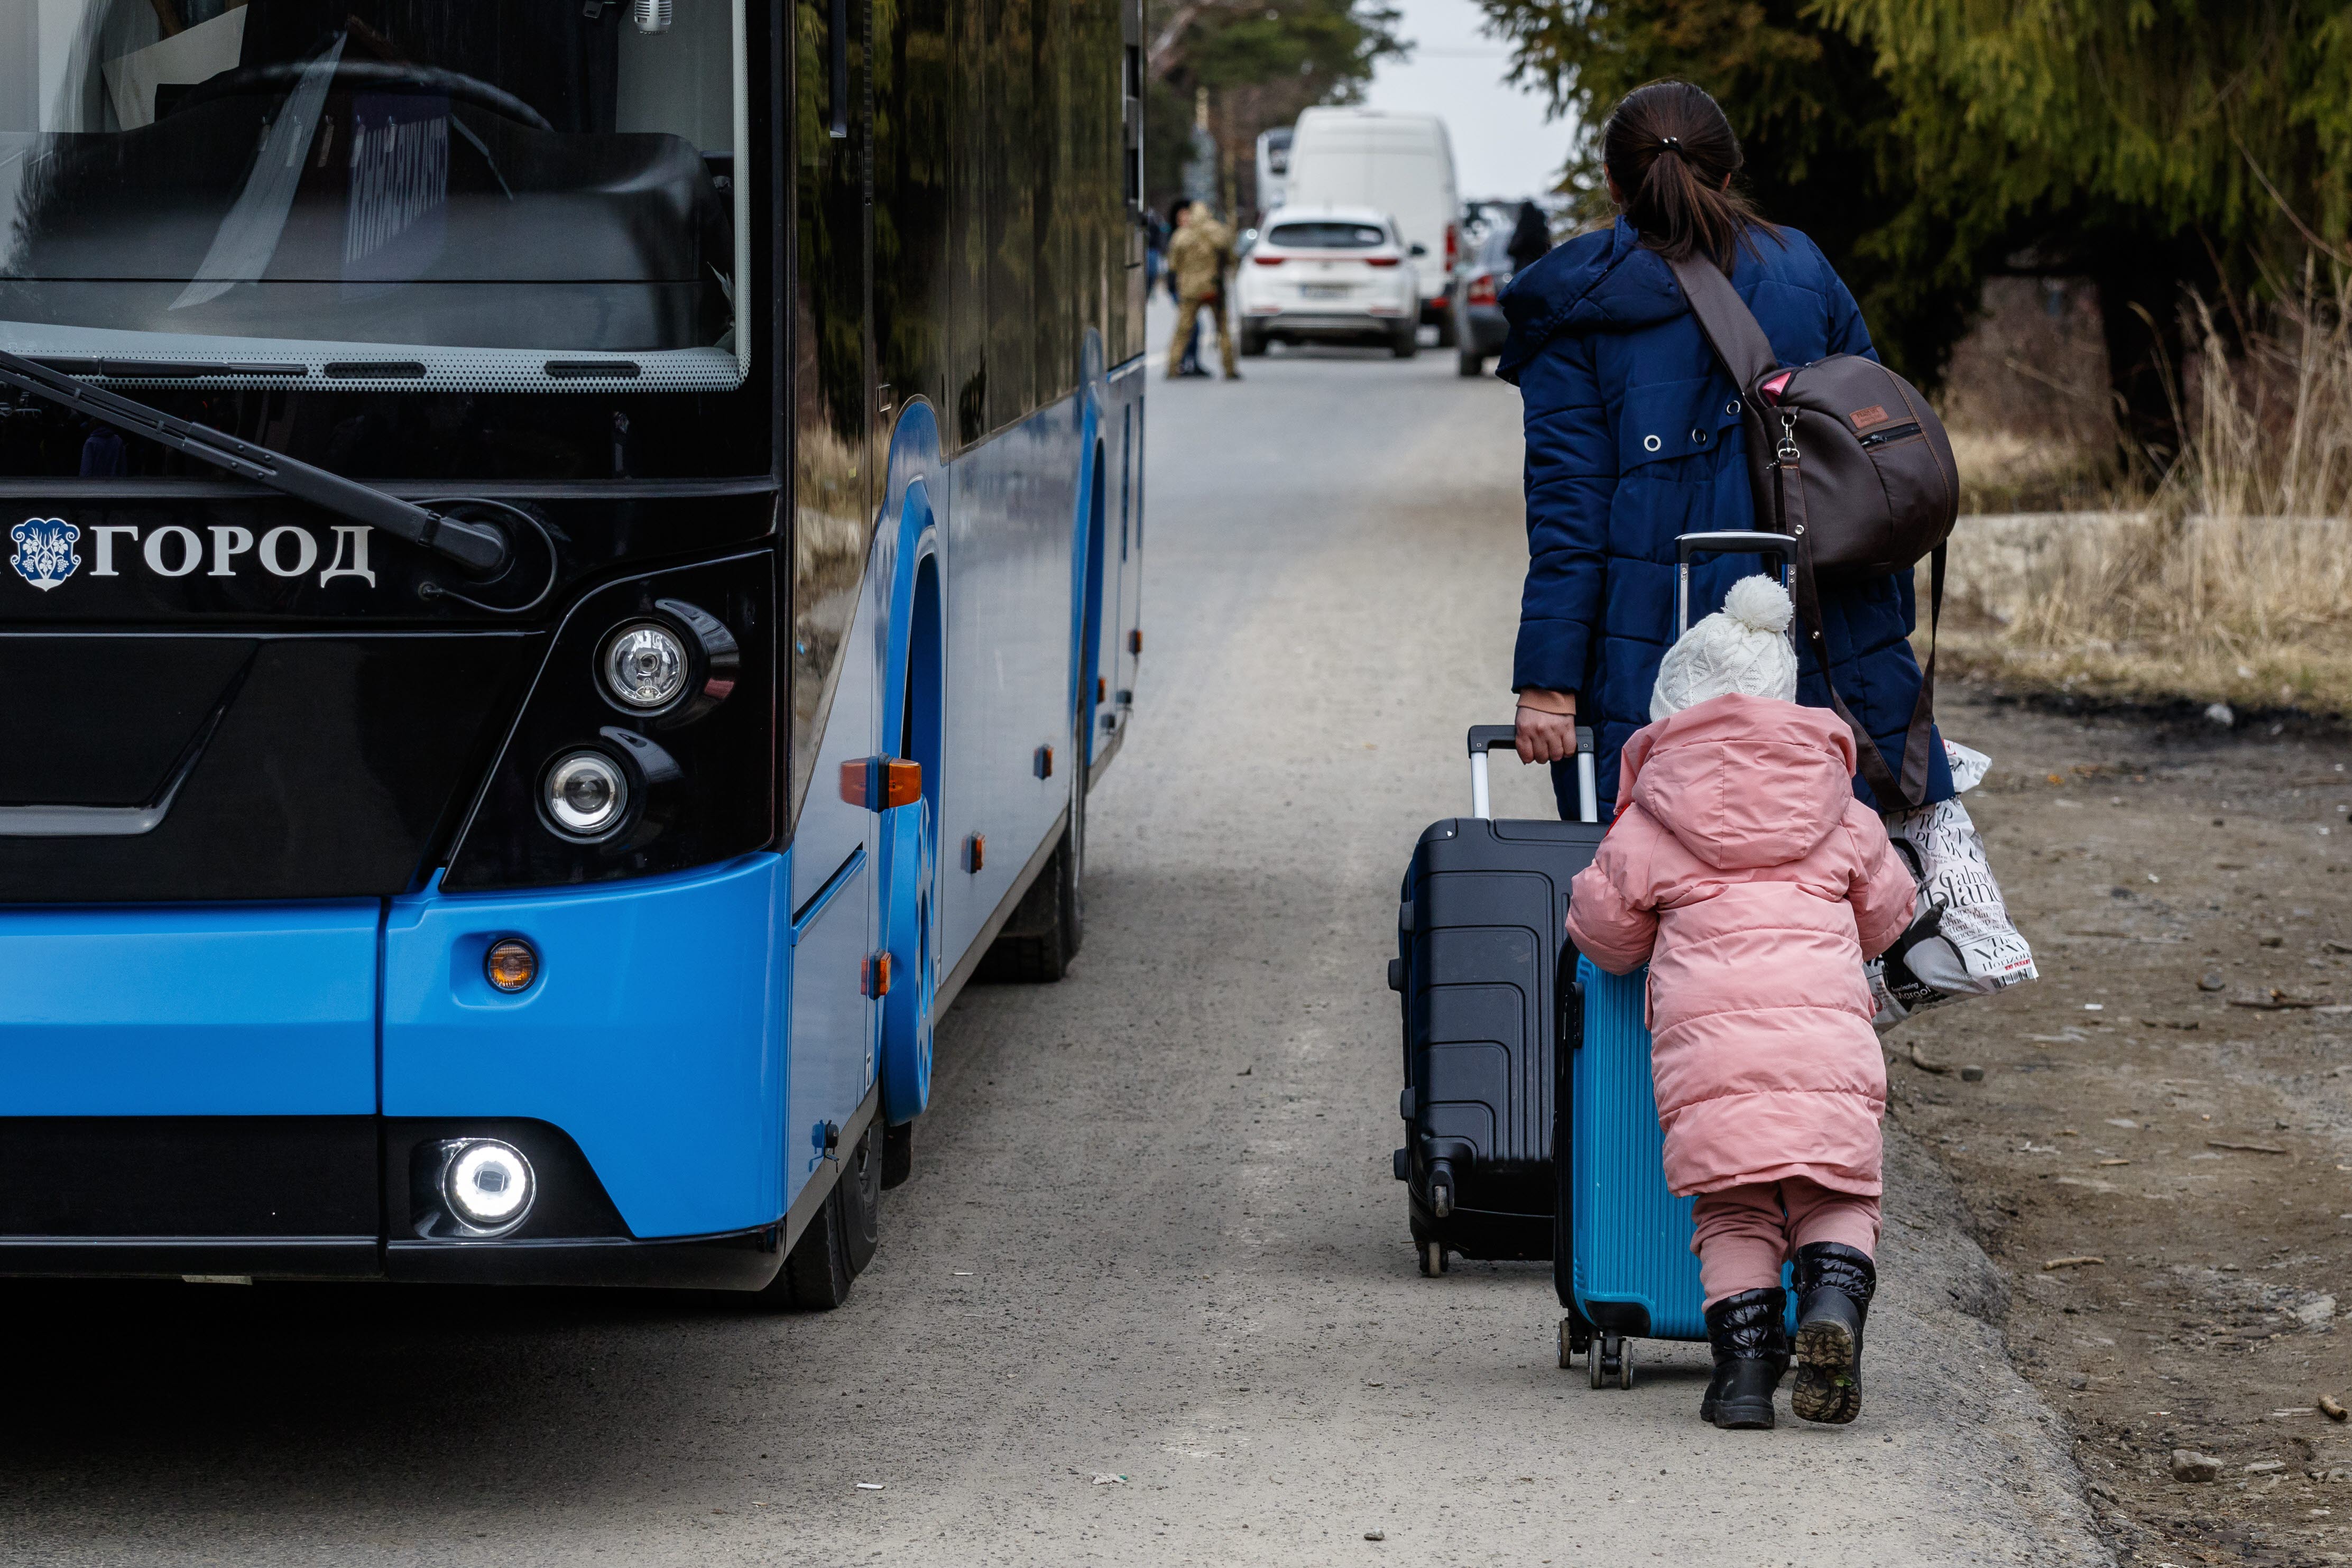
975,852
876,977
879,784
511,964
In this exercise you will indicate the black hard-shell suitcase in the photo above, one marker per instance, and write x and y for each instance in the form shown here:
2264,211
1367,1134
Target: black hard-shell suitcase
1481,929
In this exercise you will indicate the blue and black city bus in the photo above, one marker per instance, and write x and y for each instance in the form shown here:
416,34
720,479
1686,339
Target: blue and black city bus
573,564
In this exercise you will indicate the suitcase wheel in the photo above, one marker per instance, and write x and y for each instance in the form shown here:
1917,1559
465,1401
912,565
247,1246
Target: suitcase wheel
1608,1357
1433,1257
1575,1337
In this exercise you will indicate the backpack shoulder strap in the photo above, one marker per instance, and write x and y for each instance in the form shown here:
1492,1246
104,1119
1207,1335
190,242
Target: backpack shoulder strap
1725,320
1909,792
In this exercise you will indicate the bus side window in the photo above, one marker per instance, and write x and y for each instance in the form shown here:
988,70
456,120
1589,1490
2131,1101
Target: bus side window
838,75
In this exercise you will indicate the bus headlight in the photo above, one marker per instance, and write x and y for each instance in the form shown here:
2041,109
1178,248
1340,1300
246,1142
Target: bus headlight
646,666
488,1184
585,794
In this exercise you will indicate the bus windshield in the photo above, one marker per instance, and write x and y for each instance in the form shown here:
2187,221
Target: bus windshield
488,196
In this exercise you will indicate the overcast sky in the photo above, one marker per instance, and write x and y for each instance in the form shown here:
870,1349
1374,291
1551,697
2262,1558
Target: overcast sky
1502,144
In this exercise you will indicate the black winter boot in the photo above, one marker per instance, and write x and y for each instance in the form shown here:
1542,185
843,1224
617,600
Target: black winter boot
1750,1335
1834,1284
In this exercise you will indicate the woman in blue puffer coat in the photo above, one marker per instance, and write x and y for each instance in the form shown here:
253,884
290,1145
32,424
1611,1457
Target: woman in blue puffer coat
1634,437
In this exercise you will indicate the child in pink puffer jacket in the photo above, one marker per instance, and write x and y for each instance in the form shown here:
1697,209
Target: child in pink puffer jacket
1743,870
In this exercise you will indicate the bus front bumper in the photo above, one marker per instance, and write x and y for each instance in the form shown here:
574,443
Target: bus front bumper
322,1198
744,1262
273,1090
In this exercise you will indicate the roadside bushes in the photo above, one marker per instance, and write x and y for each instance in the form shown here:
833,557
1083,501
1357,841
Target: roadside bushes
2230,577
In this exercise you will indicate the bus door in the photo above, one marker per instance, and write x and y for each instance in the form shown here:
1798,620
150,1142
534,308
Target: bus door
835,846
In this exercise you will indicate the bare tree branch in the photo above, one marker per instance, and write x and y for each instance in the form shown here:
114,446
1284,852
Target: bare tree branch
1163,56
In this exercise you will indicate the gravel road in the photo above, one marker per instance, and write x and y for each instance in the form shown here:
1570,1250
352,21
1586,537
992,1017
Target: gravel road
1149,1298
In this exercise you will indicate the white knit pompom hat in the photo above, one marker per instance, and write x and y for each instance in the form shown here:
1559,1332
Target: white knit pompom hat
1742,647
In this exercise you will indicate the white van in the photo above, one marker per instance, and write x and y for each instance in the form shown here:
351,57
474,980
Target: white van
1273,167
1401,165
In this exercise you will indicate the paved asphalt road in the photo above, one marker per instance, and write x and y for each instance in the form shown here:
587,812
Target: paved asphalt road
1152,1234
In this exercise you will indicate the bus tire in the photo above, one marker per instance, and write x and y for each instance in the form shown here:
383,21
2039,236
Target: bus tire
897,1155
816,1275
1042,937
858,1198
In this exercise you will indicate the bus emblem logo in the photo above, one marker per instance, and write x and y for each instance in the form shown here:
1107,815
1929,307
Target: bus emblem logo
45,550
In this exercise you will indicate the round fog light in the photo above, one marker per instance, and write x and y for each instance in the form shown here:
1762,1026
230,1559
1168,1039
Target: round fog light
511,964
489,1184
585,793
646,665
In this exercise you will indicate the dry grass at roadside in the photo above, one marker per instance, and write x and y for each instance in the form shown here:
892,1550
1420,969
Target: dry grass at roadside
2001,470
2252,611
2236,582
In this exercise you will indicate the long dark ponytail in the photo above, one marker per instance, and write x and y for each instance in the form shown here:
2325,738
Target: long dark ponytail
1672,154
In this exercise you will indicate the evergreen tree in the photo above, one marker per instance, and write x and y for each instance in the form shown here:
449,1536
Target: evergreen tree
1261,61
2148,144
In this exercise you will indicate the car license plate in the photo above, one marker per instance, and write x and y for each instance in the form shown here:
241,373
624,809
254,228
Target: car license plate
1325,291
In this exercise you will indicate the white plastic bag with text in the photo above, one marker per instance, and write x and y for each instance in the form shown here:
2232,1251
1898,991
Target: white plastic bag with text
1960,943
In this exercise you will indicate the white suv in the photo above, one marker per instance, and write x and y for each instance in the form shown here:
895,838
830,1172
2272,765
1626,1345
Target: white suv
1328,273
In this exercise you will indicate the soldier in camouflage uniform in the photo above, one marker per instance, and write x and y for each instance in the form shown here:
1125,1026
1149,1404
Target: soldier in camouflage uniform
1199,257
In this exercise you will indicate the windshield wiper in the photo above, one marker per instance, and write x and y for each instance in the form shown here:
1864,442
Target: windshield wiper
472,545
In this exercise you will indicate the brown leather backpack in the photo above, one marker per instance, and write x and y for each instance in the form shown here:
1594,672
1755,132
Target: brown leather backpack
1847,459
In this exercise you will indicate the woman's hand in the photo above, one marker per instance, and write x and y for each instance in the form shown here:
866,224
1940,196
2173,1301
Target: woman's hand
1546,734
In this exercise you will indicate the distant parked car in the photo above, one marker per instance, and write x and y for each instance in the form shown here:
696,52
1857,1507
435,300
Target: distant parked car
1477,299
1329,274
1398,164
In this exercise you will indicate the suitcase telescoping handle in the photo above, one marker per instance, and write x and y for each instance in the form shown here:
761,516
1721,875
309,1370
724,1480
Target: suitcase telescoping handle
1503,737
1723,541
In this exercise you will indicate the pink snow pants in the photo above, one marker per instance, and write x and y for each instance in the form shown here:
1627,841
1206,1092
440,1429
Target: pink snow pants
1744,1233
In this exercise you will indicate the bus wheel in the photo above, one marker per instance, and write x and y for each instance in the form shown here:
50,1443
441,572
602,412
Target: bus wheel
816,1275
1042,937
859,1196
898,1155
840,1242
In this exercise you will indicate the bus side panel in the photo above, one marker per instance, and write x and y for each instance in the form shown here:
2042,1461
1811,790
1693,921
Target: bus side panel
1008,561
189,1010
1122,435
831,1046
650,1037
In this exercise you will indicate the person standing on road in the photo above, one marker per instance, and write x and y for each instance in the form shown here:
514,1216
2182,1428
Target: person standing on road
1155,250
1199,257
1745,874
1177,212
1634,437
1530,237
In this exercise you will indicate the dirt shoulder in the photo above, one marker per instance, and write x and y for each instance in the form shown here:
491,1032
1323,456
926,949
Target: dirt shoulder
2170,1108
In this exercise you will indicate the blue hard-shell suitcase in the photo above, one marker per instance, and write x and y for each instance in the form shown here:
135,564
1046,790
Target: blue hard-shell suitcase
1622,1261
1624,1267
